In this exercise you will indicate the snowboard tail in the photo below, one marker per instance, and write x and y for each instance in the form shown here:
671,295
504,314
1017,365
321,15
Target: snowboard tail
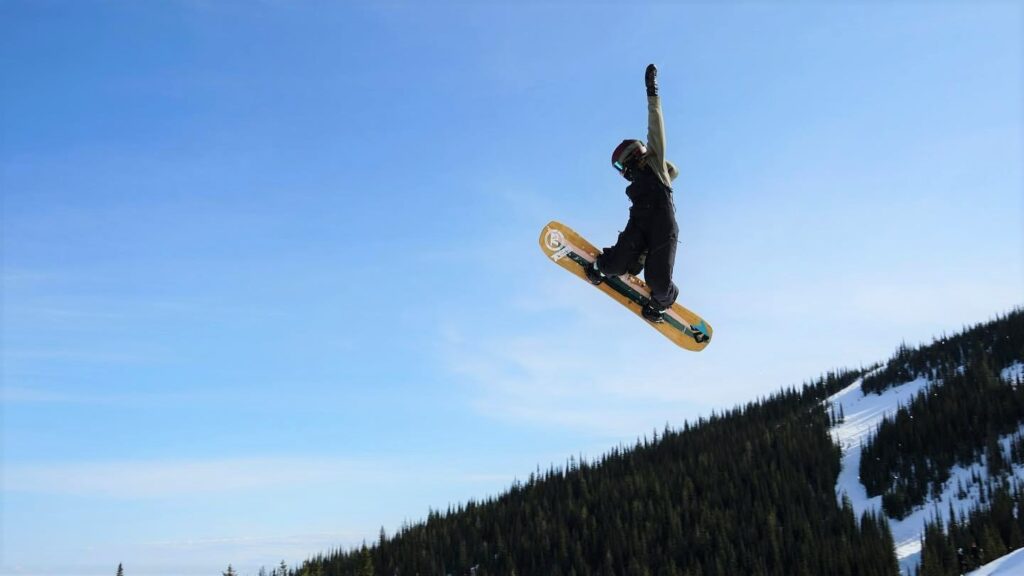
573,252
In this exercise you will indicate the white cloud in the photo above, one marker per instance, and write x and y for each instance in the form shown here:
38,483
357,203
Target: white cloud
86,356
577,361
253,551
166,478
15,394
169,478
41,395
966,301
596,373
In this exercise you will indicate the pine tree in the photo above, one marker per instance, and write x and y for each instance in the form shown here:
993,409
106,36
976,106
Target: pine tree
120,570
230,571
366,567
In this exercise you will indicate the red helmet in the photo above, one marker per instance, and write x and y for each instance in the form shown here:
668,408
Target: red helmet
627,153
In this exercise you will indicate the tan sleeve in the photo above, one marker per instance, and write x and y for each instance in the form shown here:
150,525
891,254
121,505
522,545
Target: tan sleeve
656,140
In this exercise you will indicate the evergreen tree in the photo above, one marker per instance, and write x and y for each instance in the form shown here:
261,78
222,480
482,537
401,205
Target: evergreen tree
366,567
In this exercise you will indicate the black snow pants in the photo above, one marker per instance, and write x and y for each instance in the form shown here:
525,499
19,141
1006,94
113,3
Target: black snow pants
651,230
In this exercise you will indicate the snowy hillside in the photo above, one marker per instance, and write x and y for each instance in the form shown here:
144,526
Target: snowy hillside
861,415
1010,565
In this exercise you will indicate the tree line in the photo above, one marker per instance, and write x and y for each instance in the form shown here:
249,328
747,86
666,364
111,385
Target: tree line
1002,340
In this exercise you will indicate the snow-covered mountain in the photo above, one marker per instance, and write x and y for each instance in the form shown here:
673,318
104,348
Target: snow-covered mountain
862,413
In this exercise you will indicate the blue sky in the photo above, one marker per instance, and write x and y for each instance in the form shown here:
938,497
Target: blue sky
270,269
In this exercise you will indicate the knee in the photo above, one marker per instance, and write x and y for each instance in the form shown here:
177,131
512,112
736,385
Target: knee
666,295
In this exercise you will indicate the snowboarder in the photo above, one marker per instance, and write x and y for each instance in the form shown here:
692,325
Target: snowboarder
649,240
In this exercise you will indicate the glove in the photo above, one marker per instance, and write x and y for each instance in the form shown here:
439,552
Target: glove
651,80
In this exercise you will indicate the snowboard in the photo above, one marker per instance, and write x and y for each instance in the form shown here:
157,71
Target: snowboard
571,251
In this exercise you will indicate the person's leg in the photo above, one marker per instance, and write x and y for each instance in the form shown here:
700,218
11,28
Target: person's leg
638,265
618,259
661,261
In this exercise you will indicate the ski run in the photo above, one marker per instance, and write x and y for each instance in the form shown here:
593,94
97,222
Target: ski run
862,415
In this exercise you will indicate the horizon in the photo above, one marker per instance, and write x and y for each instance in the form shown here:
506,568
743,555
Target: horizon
270,279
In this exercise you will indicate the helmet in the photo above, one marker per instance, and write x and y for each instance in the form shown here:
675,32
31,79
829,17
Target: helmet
626,154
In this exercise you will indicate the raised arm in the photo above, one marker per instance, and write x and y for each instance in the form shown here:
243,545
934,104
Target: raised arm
656,128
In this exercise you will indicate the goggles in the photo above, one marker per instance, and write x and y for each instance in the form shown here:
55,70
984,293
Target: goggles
630,162
633,152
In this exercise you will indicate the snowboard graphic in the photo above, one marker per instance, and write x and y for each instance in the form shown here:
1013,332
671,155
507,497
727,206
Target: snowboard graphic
572,252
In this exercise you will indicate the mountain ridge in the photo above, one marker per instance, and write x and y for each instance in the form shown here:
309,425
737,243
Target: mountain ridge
763,488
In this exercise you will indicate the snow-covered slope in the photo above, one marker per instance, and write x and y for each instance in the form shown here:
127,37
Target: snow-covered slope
1010,565
862,415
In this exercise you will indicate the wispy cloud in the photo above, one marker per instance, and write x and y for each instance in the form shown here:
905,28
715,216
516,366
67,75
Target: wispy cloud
593,374
968,300
16,394
581,363
889,307
22,276
166,478
85,355
19,394
267,548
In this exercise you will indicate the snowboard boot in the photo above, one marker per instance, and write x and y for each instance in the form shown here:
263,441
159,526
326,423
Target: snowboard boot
594,275
653,313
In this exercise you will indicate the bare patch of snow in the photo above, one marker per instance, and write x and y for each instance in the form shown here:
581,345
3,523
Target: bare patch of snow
1013,372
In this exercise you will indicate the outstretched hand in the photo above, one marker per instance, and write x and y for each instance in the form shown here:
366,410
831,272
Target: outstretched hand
651,80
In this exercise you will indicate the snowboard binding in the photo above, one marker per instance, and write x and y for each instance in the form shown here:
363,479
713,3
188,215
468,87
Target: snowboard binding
652,313
594,275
